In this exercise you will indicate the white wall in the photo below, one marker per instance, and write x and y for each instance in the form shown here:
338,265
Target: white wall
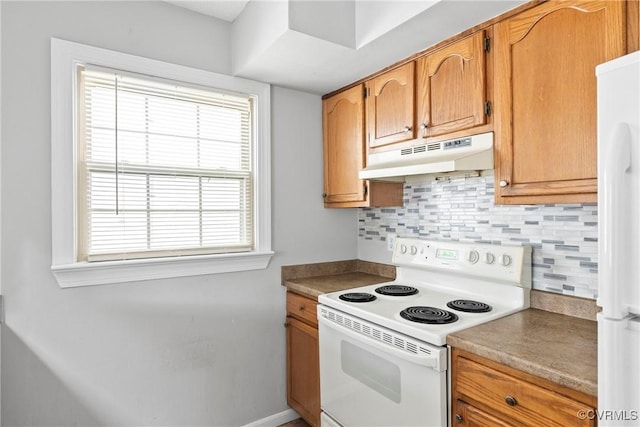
332,21
259,25
375,18
204,350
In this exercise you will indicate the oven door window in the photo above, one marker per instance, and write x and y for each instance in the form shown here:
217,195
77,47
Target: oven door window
373,371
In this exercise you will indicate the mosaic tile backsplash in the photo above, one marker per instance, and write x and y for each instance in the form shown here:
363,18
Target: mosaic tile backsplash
564,238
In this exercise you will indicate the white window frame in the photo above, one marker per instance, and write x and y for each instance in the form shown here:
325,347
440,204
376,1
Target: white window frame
65,57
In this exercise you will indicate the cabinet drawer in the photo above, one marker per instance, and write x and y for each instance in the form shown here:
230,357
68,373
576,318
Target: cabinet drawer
517,399
302,307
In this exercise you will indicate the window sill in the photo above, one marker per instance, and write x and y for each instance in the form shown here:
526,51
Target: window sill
108,272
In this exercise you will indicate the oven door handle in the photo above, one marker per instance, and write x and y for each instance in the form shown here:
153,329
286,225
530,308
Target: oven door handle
435,360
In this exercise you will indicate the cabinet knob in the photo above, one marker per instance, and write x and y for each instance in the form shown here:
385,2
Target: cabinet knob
407,129
503,183
459,419
324,195
511,401
301,308
423,126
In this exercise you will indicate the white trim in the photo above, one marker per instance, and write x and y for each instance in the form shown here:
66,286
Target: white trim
275,419
97,273
65,56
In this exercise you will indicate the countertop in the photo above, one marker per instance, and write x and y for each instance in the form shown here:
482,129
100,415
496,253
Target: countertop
320,278
559,348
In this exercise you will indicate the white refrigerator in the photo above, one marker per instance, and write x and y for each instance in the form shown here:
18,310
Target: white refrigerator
619,241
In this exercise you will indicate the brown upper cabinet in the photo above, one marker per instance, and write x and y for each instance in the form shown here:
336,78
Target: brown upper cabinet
545,98
344,155
451,87
440,93
343,131
390,107
527,75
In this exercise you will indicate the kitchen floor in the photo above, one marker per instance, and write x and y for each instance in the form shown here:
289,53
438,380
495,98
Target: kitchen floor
295,423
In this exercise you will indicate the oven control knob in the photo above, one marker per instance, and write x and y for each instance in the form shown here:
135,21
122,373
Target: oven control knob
414,250
489,258
505,260
403,248
473,256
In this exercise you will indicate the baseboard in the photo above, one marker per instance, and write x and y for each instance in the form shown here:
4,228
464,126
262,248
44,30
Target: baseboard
275,419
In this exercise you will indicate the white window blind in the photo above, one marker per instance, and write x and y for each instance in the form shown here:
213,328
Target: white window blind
164,168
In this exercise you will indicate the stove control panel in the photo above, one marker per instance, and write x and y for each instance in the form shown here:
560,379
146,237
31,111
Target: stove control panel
504,263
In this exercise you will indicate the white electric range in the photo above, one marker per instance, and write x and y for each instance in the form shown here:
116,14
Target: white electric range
383,359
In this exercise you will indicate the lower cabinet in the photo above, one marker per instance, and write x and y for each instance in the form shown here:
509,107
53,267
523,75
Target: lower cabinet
486,393
303,365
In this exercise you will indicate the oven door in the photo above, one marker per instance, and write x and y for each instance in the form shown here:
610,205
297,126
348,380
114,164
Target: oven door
371,376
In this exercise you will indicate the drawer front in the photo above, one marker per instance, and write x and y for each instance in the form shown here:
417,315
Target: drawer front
302,307
518,400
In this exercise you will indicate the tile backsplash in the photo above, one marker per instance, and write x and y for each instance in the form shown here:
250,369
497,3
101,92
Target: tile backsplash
564,238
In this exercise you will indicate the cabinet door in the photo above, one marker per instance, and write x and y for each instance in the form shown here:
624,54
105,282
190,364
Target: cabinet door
452,87
344,156
546,96
303,370
390,107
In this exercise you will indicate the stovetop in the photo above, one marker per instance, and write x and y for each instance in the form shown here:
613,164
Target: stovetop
386,310
431,282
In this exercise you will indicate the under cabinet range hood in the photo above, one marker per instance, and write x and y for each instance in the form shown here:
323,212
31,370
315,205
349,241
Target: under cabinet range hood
462,154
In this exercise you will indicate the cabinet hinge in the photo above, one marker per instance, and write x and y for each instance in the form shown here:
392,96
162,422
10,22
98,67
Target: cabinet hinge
364,92
366,190
487,44
487,108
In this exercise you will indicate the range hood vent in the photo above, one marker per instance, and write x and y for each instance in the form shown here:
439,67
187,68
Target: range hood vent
462,154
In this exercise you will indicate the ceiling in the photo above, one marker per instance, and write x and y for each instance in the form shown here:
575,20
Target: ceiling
319,46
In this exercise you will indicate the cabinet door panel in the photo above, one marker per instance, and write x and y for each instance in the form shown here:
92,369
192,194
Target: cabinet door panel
303,370
452,87
546,93
343,132
390,107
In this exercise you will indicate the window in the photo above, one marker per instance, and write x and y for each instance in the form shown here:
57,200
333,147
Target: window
164,169
158,170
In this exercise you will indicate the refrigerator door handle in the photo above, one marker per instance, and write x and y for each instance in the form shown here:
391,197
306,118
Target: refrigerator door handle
615,222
